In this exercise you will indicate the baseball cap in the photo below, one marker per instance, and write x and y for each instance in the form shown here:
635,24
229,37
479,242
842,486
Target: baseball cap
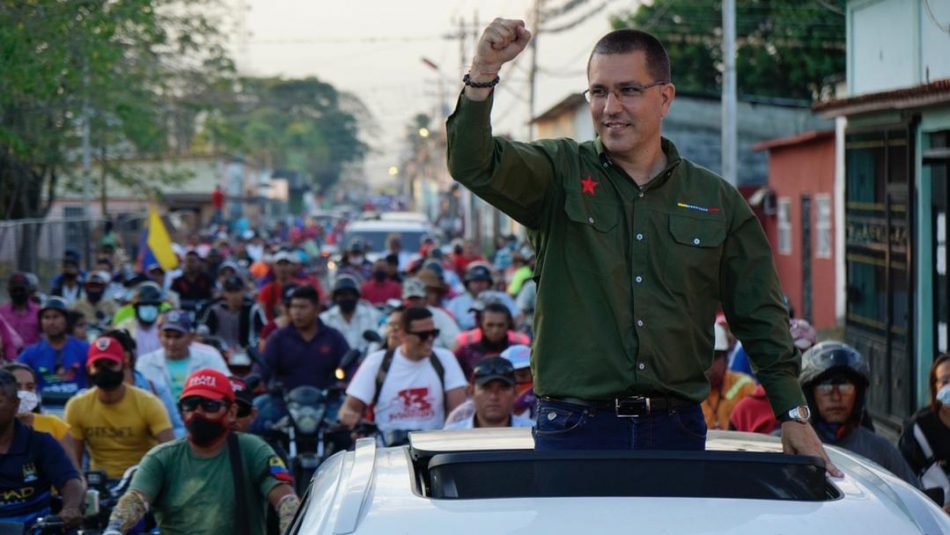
431,279
55,303
283,256
242,395
494,369
18,280
208,383
233,283
519,355
105,348
484,299
413,287
176,320
100,277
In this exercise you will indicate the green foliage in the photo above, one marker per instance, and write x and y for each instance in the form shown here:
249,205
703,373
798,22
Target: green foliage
299,127
783,49
140,70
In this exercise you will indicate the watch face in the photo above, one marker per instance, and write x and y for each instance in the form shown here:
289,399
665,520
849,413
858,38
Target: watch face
801,413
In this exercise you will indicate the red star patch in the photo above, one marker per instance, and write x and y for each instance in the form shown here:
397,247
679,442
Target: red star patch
588,185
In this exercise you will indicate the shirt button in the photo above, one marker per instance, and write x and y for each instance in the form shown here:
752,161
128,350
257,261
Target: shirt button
639,279
641,194
695,241
642,366
639,237
590,220
639,323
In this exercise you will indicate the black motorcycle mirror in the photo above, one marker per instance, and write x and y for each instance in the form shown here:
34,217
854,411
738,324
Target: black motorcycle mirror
372,336
348,359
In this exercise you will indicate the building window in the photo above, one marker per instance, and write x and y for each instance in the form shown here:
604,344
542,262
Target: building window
785,226
823,226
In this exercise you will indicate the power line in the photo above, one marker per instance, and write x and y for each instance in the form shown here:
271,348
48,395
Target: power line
933,18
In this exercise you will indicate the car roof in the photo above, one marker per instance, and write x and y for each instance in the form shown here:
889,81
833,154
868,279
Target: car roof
375,225
373,490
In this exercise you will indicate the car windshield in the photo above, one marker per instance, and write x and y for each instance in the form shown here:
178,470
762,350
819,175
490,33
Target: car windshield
375,240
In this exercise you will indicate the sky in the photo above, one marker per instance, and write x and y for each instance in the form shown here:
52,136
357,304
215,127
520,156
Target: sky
374,49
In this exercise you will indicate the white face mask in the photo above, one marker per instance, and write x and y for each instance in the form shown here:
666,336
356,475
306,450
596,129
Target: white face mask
28,401
943,395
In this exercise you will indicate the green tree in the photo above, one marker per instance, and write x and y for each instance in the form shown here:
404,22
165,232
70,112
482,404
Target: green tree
301,127
137,69
783,49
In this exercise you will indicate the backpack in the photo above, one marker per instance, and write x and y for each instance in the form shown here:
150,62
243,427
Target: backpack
388,362
933,475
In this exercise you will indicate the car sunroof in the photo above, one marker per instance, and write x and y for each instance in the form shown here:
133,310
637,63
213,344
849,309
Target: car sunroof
679,474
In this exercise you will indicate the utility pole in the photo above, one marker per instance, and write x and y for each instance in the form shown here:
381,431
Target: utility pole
533,70
86,167
730,162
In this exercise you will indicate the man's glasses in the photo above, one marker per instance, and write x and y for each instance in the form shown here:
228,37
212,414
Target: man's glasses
844,386
425,335
191,404
625,93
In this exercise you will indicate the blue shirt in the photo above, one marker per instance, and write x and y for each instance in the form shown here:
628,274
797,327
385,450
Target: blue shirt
58,373
162,392
35,463
294,361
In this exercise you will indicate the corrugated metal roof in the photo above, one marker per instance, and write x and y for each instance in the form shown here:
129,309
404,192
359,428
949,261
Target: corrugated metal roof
936,92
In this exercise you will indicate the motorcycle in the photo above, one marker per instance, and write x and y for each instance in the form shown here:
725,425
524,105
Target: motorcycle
305,433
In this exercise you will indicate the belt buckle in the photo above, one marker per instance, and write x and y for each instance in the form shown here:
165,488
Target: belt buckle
632,407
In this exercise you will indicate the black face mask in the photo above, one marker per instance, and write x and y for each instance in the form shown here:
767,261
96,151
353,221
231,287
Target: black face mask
347,306
204,432
380,275
70,276
18,296
94,297
107,379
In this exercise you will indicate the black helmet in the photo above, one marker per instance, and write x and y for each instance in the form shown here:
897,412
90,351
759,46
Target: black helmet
356,245
831,356
346,283
147,293
55,303
477,272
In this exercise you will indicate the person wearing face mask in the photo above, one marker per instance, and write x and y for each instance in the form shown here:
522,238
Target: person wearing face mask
69,285
31,464
354,261
94,305
350,316
925,442
380,288
214,480
59,359
21,313
117,423
29,412
147,304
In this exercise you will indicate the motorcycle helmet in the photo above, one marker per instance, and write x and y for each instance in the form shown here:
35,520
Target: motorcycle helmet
477,272
55,303
346,283
827,359
147,293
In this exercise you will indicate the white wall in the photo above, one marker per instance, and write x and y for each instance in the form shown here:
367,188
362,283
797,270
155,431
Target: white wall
894,44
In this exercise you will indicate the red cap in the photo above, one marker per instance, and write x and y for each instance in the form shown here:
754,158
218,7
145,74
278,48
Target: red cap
208,383
105,348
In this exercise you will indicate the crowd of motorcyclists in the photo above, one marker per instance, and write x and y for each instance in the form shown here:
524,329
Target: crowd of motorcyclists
113,362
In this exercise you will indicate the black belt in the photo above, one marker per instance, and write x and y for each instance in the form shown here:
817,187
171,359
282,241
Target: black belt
630,407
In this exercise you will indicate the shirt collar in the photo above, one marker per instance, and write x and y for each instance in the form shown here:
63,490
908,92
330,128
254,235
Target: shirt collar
669,149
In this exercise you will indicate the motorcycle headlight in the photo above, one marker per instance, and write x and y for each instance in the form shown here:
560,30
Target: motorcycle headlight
307,419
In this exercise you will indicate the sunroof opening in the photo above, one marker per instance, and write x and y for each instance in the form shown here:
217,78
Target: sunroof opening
676,474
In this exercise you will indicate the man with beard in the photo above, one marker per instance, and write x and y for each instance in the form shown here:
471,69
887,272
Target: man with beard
21,313
117,422
59,359
212,481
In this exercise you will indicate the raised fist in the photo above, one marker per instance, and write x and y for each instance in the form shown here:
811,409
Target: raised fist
501,42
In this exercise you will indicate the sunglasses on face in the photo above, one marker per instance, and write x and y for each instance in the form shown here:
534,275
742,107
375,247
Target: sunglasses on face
425,335
208,405
844,386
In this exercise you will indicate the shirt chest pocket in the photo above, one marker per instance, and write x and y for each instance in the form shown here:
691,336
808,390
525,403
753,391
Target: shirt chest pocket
592,240
696,251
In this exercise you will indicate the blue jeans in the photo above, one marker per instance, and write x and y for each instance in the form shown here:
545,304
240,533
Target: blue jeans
568,426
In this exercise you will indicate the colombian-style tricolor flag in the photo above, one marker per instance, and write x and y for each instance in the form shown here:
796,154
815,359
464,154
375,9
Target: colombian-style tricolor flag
155,246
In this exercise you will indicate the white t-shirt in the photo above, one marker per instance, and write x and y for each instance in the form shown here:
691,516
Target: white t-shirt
412,396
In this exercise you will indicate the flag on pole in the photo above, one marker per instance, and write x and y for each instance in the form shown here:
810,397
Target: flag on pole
155,245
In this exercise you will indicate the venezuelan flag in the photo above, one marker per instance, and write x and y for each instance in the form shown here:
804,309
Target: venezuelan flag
155,246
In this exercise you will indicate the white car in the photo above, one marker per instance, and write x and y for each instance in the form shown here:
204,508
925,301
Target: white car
488,481
374,233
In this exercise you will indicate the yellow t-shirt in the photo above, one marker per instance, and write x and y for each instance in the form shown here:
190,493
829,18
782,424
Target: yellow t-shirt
116,435
51,424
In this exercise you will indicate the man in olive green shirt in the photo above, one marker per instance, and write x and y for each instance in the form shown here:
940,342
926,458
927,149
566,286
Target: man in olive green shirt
636,248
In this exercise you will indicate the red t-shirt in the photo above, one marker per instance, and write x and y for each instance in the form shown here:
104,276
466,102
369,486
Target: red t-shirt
378,293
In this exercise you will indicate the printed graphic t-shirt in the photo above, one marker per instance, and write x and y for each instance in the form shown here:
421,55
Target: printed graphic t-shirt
412,396
117,435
